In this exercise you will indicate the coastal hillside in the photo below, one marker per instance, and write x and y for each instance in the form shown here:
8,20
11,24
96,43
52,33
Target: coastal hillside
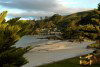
84,23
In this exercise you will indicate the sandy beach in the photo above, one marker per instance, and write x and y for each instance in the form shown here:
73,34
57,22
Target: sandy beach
49,51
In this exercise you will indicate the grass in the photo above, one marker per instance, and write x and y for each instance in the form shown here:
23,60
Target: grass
72,62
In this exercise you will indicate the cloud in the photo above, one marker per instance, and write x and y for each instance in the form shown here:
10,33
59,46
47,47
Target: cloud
38,8
46,13
36,5
32,13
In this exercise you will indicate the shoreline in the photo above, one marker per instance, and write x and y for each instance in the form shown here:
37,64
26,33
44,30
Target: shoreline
48,51
37,58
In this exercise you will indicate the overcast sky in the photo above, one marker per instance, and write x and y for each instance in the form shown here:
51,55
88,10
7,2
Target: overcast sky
40,8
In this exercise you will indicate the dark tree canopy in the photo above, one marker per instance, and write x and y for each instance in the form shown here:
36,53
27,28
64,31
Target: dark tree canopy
10,56
99,6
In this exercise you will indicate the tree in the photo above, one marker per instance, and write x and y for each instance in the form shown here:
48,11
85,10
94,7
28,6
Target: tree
99,6
13,21
2,16
10,56
56,18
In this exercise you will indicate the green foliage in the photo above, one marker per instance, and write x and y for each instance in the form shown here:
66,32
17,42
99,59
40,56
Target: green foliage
95,45
2,16
56,18
13,21
28,27
11,56
80,25
99,6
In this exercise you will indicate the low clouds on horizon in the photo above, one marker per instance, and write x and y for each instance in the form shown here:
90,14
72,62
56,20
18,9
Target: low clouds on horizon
38,7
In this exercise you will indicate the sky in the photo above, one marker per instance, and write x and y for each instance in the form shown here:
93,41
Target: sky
33,9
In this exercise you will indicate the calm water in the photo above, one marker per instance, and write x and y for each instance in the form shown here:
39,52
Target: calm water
30,40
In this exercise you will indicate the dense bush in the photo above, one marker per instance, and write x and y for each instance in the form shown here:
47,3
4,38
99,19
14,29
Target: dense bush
10,56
